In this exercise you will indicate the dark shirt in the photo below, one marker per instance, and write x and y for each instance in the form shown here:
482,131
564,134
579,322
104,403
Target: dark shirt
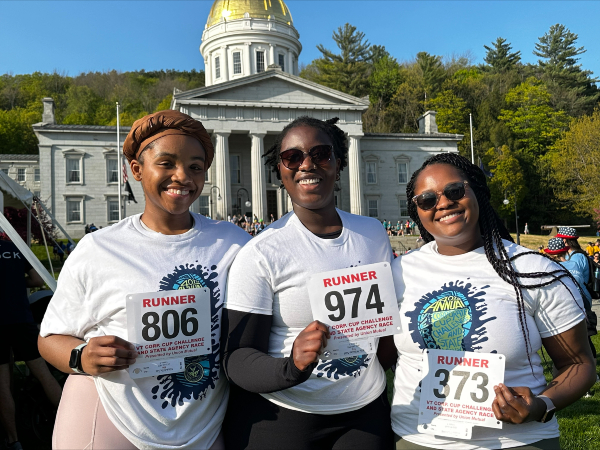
14,303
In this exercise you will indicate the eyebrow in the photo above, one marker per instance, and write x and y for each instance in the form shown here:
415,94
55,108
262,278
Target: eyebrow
172,155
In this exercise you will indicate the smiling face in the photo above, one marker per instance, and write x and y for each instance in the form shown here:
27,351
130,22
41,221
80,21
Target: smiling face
172,175
452,223
310,186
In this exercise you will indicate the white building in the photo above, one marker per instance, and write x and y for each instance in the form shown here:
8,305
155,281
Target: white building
24,169
250,49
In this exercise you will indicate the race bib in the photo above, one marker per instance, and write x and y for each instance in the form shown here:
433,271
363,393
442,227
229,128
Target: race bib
457,392
166,327
358,304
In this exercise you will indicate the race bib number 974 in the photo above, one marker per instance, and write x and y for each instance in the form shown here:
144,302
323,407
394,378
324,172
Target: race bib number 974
166,327
358,304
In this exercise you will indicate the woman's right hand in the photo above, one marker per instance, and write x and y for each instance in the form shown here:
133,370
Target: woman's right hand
309,344
107,354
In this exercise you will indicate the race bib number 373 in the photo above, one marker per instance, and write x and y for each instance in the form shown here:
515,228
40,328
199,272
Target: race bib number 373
166,327
358,304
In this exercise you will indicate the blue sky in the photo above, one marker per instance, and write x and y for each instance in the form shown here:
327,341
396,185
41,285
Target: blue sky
81,36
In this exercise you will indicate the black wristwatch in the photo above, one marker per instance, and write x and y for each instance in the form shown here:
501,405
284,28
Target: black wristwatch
75,360
550,408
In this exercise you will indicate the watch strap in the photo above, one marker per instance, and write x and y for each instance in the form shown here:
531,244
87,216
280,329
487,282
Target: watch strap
550,408
79,350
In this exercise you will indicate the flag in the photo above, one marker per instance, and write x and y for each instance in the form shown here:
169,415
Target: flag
482,167
130,197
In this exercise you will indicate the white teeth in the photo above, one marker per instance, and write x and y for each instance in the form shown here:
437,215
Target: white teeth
443,219
178,192
309,181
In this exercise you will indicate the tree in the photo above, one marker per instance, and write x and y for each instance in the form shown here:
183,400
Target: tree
452,115
347,71
508,181
531,118
16,134
433,71
575,159
500,58
573,89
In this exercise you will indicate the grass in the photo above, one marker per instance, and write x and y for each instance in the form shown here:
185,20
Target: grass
533,241
579,423
40,252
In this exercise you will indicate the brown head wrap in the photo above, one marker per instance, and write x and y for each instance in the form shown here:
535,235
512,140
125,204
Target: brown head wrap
162,123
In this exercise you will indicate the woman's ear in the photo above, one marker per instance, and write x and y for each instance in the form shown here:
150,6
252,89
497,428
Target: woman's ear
136,169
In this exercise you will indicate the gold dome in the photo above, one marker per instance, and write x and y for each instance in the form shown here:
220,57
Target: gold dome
257,9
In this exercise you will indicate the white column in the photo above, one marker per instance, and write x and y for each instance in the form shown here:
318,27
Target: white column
223,175
207,71
281,210
259,189
290,62
272,54
247,59
225,66
355,172
290,205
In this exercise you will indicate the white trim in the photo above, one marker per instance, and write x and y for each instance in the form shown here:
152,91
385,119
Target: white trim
73,154
74,198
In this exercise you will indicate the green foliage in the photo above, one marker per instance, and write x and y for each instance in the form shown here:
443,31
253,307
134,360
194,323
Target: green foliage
500,58
433,72
508,181
452,115
16,134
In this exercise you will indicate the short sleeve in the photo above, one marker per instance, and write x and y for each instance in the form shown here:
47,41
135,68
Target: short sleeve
559,305
68,312
249,284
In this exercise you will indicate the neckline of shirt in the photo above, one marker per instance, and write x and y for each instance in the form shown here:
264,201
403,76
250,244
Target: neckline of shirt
473,254
146,231
341,240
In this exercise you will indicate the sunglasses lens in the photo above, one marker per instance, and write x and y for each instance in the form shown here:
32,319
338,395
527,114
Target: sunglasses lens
426,200
454,191
320,153
292,159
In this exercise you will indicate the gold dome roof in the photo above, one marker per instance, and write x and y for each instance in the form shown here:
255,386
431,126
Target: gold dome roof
257,9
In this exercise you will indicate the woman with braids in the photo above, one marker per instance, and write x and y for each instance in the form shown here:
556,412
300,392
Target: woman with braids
471,289
283,395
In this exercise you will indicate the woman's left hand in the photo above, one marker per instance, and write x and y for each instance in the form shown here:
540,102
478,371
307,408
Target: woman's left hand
517,404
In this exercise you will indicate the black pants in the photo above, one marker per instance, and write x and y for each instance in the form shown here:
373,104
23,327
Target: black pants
252,422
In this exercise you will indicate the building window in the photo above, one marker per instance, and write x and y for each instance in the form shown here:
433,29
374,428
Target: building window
74,210
371,172
20,174
403,207
268,175
260,62
36,174
237,63
73,170
402,172
203,205
217,67
112,170
282,61
37,194
373,207
113,210
206,176
234,165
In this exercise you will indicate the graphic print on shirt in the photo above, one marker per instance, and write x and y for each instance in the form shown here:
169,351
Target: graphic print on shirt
450,318
344,367
201,372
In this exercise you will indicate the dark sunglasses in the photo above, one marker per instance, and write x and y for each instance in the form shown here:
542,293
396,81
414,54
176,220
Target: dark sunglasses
452,191
293,158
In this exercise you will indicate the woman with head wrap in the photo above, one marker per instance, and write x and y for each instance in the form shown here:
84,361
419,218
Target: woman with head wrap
92,319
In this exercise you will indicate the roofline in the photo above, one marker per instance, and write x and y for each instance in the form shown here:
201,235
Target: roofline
209,102
78,128
416,136
267,74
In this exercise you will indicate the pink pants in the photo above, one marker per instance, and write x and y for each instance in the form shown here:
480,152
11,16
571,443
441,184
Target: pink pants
82,423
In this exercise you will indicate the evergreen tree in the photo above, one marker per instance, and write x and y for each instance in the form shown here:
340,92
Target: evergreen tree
500,58
433,71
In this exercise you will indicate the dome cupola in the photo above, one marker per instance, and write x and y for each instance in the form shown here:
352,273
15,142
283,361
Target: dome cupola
244,37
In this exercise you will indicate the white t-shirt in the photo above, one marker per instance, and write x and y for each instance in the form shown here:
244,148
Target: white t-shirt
167,411
490,324
270,275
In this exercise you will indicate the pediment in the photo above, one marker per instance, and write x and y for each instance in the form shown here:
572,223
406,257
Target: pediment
272,87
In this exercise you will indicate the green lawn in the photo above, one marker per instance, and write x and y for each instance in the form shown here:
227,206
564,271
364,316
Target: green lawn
40,252
579,423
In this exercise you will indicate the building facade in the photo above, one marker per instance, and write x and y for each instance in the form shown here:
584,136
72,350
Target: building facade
252,92
24,169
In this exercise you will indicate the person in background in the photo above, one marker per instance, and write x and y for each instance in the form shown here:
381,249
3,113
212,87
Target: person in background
590,249
526,230
541,249
596,270
19,333
597,246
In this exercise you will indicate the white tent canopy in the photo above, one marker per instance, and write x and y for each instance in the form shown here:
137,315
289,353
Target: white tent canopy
14,189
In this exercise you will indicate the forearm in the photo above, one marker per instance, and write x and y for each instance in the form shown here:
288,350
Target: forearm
56,349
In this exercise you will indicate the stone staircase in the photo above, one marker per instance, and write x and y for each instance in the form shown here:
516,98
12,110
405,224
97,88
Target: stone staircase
403,243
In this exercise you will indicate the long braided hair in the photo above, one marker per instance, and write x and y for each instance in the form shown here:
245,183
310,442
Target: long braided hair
493,232
329,127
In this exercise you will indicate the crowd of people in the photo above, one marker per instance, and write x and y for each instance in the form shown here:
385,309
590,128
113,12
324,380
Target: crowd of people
401,228
268,381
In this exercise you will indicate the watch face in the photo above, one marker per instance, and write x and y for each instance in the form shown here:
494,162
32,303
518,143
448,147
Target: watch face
73,359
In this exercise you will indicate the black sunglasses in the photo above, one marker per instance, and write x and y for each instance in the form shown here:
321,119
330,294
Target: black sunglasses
452,191
293,158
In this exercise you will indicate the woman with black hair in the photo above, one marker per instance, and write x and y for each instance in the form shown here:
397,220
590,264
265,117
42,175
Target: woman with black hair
471,289
284,395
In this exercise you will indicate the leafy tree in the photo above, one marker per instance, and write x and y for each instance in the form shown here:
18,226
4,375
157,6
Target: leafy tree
16,134
384,80
347,71
500,58
573,89
452,115
508,181
575,159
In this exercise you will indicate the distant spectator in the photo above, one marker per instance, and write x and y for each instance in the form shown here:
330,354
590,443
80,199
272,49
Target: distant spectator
590,249
526,230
